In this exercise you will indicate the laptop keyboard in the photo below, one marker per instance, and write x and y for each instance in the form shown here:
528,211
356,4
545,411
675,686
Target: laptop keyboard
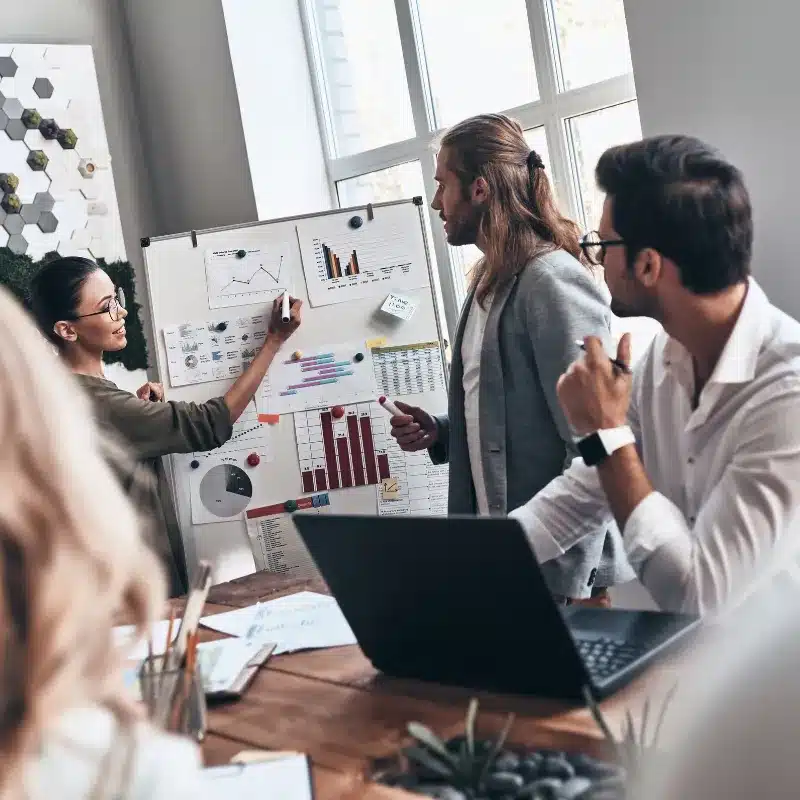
605,657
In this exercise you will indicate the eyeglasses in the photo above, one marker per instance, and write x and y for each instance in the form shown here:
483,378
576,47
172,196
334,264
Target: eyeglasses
595,247
115,305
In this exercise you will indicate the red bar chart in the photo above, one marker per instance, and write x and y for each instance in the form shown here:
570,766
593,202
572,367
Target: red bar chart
344,452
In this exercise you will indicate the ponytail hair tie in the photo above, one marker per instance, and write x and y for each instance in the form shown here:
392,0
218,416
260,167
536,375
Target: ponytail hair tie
535,161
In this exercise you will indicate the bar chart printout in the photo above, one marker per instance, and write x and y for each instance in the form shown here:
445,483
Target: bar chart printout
386,254
342,453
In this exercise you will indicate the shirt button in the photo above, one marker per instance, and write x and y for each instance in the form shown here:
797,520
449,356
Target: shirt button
691,520
690,459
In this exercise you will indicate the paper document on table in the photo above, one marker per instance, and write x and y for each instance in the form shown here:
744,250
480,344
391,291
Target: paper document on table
275,542
408,368
283,778
125,638
303,621
223,662
417,487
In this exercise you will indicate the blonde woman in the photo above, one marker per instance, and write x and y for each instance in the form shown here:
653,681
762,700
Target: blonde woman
71,559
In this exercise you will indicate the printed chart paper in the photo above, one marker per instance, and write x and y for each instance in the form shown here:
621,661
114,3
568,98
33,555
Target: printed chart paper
417,486
275,542
408,369
345,452
339,374
198,352
221,484
341,263
241,277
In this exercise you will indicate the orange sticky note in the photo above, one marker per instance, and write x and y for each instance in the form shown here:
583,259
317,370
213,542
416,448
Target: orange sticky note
270,419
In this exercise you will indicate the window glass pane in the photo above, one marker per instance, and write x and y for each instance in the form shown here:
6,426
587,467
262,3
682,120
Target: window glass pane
365,74
592,40
591,135
382,186
478,55
537,140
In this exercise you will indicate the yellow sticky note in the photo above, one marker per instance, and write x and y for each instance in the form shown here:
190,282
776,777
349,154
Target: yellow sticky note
390,489
380,341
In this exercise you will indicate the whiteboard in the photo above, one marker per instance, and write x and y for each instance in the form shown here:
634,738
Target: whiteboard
175,268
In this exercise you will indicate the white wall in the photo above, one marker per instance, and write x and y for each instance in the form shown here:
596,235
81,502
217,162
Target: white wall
724,70
272,77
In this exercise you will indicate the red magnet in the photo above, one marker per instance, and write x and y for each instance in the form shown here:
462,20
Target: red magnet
338,412
254,459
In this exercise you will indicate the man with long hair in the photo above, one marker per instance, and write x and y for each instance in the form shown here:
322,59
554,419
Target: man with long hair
696,455
505,435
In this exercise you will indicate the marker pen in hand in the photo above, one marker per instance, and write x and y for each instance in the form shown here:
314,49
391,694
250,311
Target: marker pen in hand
615,361
390,406
285,312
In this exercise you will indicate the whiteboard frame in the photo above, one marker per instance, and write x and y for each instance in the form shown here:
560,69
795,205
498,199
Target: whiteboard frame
162,369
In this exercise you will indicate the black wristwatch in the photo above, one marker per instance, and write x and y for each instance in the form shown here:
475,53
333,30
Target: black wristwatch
599,445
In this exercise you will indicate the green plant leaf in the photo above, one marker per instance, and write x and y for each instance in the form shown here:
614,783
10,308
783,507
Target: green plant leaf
427,738
469,727
497,746
424,758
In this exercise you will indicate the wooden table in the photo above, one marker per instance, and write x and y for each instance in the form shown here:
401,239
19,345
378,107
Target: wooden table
333,705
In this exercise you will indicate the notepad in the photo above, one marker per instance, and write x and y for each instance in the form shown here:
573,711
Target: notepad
287,778
229,665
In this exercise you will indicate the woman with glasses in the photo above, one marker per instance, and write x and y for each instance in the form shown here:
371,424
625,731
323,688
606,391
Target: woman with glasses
79,310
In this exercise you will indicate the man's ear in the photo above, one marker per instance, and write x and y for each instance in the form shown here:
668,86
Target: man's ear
65,331
480,191
648,267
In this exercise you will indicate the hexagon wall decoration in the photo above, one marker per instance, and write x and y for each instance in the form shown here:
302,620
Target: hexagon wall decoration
31,119
53,147
49,129
17,244
67,139
43,88
9,182
8,67
37,160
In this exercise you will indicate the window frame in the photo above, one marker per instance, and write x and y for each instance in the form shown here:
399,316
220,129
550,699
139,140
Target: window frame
551,111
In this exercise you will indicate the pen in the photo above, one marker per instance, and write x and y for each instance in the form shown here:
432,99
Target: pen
390,406
285,315
615,361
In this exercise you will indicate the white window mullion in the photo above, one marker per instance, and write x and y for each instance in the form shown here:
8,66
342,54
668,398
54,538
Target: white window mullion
416,68
547,74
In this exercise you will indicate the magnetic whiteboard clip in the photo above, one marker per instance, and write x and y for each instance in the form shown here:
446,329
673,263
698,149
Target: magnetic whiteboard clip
417,201
370,212
193,234
144,242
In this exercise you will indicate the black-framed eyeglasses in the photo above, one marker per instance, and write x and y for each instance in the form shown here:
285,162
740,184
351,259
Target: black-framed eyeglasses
115,305
595,247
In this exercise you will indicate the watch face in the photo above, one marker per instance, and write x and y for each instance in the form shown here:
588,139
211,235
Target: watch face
592,450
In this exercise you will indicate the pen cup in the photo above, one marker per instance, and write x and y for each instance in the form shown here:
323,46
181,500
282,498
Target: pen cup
174,698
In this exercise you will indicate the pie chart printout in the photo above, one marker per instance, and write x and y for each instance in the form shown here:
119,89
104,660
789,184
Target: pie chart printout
226,490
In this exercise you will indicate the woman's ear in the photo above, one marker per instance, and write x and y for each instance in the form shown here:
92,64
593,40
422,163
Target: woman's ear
65,331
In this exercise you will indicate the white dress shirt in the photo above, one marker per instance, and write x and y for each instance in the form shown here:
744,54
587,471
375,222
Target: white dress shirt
726,475
471,348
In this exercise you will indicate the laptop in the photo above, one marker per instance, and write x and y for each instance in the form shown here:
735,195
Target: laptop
462,601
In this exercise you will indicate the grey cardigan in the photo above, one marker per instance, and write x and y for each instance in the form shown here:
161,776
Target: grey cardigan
529,341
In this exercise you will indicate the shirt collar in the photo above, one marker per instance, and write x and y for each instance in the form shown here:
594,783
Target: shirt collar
739,358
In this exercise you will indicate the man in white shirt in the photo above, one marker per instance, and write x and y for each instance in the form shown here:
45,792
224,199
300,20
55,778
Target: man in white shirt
697,455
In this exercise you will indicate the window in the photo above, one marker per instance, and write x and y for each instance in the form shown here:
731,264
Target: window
391,74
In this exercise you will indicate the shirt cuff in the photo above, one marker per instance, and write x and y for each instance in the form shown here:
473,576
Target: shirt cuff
544,546
655,522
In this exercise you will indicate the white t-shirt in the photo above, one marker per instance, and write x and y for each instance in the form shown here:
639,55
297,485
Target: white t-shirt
471,347
76,755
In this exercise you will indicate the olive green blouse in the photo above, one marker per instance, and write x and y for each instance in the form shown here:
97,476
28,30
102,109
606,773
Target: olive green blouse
150,430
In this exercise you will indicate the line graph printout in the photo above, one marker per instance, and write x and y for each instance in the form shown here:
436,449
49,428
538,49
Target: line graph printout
386,254
251,275
198,352
342,452
339,374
